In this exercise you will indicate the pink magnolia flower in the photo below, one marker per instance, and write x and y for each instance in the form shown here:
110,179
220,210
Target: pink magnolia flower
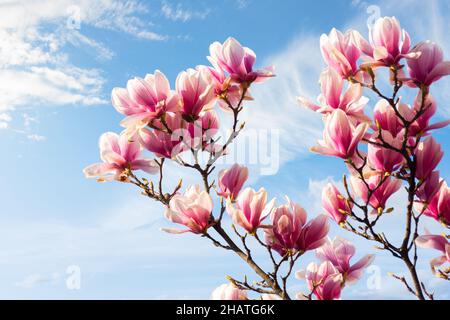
438,242
388,42
381,191
228,292
422,124
288,221
196,91
428,66
238,61
384,159
428,153
351,101
340,52
313,234
386,118
324,281
162,144
251,209
145,100
334,203
231,181
118,153
193,210
340,137
429,187
439,206
339,252
202,131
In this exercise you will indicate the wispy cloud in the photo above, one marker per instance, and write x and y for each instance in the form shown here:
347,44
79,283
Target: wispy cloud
180,13
37,279
35,67
276,104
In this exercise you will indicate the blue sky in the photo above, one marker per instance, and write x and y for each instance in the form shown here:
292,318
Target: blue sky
55,85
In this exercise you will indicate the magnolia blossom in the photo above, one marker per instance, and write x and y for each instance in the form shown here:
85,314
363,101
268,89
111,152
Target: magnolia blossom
351,101
324,281
429,187
385,159
228,92
422,124
196,91
162,144
250,209
386,118
119,154
231,181
228,292
201,131
340,137
313,234
428,153
238,61
382,191
145,100
388,42
334,203
340,52
439,206
428,65
288,221
290,231
438,242
193,210
339,252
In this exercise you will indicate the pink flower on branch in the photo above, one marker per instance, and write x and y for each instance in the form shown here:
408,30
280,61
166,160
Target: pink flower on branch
193,210
231,181
438,207
340,137
429,187
385,159
335,204
290,231
428,154
119,153
351,101
145,100
437,242
250,209
196,91
339,252
389,43
162,144
428,66
228,292
378,190
288,221
340,52
238,61
324,281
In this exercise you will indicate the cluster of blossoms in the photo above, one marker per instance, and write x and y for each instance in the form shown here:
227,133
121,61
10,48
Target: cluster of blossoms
389,148
174,124
384,150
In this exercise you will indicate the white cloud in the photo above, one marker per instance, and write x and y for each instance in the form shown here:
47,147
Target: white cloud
275,107
36,137
69,85
179,13
36,68
36,279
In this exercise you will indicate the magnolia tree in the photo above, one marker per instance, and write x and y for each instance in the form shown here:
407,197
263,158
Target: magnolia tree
182,126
